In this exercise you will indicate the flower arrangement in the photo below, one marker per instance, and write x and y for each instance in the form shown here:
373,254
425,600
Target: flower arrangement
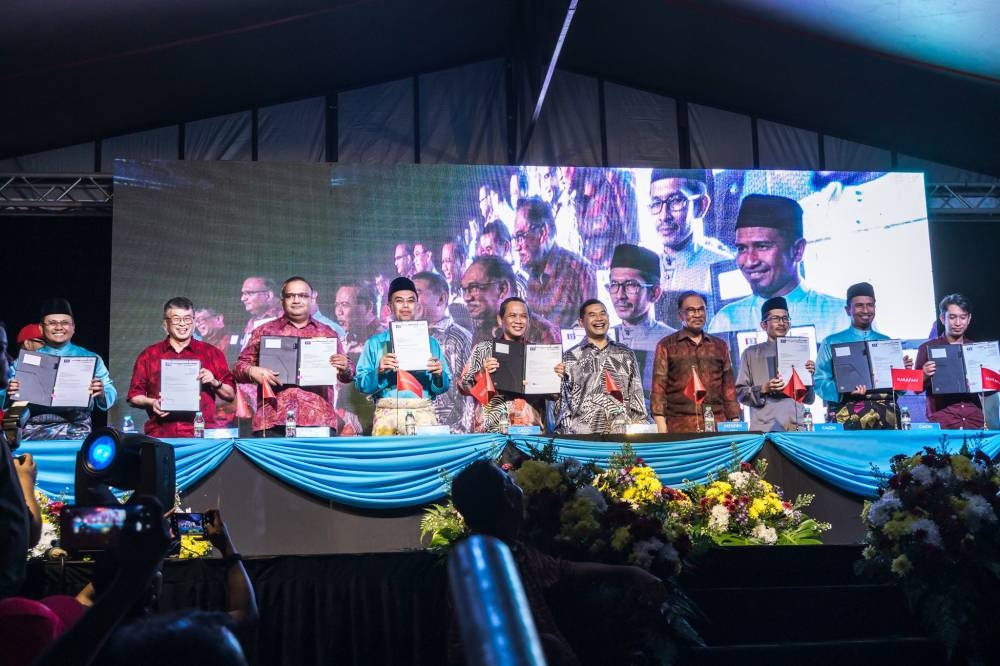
738,507
934,530
50,509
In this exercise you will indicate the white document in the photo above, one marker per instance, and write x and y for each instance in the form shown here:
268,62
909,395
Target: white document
72,385
793,352
979,355
539,369
179,387
314,361
884,355
411,343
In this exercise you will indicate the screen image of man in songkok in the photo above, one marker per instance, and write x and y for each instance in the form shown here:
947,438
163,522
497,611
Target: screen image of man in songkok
769,250
678,201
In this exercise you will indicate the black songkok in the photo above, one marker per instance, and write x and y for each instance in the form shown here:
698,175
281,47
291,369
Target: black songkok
765,210
773,303
632,256
401,284
860,289
55,306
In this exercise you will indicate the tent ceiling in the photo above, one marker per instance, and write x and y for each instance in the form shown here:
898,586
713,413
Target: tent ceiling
921,77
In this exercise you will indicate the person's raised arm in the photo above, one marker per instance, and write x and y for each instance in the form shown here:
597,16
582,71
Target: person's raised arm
242,604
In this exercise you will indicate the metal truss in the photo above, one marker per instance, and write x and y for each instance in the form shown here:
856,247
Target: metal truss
55,194
964,202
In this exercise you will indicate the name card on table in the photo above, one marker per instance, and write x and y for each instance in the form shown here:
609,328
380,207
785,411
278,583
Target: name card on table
433,430
828,427
524,430
312,431
640,429
925,426
732,426
222,433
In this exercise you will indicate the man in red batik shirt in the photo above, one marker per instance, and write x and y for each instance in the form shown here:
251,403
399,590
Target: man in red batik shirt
312,405
214,377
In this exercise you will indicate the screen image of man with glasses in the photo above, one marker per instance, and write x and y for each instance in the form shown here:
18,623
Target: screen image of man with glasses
634,288
678,202
214,378
58,327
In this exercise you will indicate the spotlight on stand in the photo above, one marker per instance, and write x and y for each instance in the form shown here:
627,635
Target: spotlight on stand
110,459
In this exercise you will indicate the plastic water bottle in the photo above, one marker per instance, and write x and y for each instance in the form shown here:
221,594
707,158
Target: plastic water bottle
904,419
128,425
199,425
618,423
807,420
709,419
410,424
504,424
290,424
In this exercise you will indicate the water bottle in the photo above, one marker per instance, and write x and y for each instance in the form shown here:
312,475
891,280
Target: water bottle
904,419
807,420
199,425
128,425
290,424
504,423
709,419
618,423
410,424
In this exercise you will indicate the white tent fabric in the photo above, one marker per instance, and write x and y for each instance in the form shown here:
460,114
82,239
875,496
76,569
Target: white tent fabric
841,155
641,128
783,147
220,138
568,131
293,132
463,115
940,173
71,159
157,144
375,124
719,139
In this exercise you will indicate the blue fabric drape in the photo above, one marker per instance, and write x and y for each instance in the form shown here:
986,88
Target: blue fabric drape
395,472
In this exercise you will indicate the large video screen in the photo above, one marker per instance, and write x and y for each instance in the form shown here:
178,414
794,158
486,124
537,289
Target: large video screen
227,234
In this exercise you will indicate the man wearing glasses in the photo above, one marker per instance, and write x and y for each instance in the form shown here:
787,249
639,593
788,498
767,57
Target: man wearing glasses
259,298
311,405
678,204
770,409
214,378
557,278
486,283
634,287
769,249
58,327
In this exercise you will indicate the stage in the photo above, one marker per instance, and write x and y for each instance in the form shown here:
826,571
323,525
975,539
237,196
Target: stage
366,494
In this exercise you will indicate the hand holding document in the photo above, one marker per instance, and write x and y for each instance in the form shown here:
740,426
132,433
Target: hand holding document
315,368
540,376
55,381
411,344
793,352
180,390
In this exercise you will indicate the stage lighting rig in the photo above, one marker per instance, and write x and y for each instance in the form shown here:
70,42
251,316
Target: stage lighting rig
110,459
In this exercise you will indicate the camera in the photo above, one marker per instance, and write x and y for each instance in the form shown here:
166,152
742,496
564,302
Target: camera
187,524
85,528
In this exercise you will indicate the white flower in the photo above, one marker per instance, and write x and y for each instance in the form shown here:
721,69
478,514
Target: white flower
764,534
881,511
718,519
645,552
594,496
977,510
739,479
923,475
932,535
571,466
45,542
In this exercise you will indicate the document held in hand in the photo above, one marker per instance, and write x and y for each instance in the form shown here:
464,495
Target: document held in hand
958,368
55,381
868,363
411,343
314,361
179,387
793,352
280,353
526,369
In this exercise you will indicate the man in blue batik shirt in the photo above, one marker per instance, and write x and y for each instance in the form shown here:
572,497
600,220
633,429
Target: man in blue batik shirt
376,374
58,327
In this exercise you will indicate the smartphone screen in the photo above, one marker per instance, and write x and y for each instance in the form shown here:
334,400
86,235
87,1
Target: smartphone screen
100,527
188,524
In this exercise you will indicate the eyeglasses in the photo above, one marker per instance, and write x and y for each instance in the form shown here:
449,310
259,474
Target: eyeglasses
674,202
631,287
62,323
302,296
693,311
178,321
779,320
521,235
251,292
474,288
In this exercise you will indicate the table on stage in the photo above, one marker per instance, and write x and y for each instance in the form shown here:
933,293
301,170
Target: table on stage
366,494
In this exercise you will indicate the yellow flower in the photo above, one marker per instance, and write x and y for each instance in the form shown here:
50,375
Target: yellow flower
718,489
899,525
962,467
534,476
621,539
192,546
901,565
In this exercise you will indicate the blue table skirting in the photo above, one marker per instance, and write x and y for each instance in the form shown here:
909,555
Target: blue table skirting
395,472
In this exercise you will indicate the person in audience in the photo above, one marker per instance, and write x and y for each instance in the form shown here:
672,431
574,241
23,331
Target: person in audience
862,408
634,288
452,408
210,325
678,356
453,256
30,337
492,504
954,411
770,408
423,259
378,371
311,405
29,626
15,520
58,326
678,201
557,278
514,322
214,379
600,377
769,249
487,283
403,260
5,358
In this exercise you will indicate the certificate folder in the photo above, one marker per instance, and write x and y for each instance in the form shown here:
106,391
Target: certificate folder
850,365
949,373
55,381
509,377
280,353
520,362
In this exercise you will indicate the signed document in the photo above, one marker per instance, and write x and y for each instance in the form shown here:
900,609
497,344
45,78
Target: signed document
793,352
314,361
539,369
179,387
55,381
411,343
884,355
